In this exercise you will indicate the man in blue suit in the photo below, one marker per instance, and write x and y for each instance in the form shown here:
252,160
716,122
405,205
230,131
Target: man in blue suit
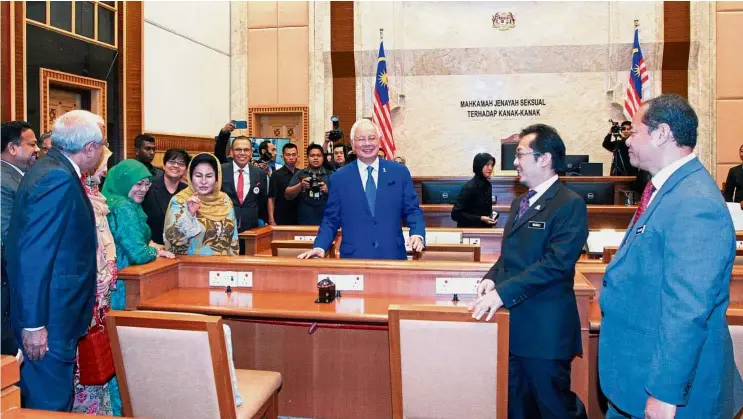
369,198
665,349
51,252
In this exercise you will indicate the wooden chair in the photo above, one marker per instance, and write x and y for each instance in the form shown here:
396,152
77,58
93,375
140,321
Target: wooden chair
292,248
175,365
449,252
445,364
609,252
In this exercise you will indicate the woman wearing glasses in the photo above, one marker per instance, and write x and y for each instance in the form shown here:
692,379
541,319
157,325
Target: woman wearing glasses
163,189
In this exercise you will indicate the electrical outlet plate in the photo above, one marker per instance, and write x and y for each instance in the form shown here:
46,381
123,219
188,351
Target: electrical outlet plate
344,282
245,279
217,279
739,243
475,241
460,286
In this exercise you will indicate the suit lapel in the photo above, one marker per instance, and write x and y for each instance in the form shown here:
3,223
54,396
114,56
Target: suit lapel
538,206
682,172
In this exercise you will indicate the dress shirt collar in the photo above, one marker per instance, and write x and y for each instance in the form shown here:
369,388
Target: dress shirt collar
363,166
74,165
15,167
665,173
236,168
542,188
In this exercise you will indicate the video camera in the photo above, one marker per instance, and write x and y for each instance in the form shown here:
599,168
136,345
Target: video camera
336,133
614,127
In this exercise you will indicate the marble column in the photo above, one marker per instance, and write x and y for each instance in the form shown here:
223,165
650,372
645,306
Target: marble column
238,60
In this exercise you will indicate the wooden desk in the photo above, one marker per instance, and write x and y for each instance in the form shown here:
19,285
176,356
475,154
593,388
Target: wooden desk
506,188
10,395
334,358
599,216
41,414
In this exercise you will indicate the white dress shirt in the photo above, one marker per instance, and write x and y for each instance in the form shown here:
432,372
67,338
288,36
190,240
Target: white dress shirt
542,188
246,178
665,173
365,174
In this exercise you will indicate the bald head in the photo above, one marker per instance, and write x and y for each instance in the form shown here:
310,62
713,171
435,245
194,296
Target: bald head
365,137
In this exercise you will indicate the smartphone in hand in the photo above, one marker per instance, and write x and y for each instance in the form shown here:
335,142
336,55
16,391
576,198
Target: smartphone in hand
240,124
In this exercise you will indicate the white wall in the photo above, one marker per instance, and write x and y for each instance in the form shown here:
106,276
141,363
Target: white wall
186,67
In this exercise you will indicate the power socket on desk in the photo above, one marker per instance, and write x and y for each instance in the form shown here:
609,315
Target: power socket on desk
344,282
230,279
459,286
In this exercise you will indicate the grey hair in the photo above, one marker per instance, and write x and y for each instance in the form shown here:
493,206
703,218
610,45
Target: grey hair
75,129
358,123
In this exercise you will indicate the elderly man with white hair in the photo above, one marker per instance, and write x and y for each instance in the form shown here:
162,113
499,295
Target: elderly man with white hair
51,257
369,198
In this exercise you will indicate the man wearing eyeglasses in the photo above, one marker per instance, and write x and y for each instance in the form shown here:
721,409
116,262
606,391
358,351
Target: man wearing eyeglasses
51,260
543,238
616,142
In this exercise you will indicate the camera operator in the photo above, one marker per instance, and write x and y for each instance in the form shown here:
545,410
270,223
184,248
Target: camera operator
310,186
616,142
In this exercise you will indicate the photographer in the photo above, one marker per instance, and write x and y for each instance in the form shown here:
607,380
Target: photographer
616,142
310,186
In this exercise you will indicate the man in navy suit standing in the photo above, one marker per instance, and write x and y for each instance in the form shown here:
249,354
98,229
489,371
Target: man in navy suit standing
369,198
51,260
545,233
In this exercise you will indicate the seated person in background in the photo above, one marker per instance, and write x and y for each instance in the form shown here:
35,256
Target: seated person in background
144,151
201,219
246,185
126,185
156,202
474,206
310,186
734,182
282,211
620,165
400,159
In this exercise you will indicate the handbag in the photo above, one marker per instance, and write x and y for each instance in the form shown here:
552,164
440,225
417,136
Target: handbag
94,357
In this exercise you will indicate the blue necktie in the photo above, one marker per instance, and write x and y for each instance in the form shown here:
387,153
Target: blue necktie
371,190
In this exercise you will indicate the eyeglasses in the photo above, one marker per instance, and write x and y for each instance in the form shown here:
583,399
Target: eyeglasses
176,163
520,155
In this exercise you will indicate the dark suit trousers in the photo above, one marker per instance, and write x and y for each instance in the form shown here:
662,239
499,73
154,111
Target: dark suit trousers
540,388
47,384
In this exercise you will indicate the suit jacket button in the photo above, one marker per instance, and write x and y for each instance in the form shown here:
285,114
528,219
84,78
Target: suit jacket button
602,313
604,282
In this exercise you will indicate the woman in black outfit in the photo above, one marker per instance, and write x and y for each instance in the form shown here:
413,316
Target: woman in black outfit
475,204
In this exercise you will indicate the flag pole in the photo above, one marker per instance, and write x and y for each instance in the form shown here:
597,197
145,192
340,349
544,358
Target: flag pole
637,23
381,30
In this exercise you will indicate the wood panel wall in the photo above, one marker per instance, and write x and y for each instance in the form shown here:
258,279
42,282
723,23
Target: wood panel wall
343,64
676,42
131,51
19,70
7,97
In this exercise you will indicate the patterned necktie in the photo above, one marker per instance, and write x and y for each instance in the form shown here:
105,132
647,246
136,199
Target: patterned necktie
371,190
240,186
644,201
524,204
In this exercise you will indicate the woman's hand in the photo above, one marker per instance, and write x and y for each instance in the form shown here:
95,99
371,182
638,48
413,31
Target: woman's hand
193,204
165,254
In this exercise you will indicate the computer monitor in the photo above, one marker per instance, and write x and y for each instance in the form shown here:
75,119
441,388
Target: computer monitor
573,161
441,192
594,193
507,155
591,169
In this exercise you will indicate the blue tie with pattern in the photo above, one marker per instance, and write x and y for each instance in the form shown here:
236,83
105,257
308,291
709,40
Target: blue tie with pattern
371,190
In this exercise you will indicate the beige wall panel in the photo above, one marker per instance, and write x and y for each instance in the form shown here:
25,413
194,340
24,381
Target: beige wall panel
729,140
262,66
293,13
262,14
293,67
729,55
730,6
722,171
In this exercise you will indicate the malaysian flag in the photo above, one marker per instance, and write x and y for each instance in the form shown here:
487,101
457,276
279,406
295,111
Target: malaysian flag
638,76
381,115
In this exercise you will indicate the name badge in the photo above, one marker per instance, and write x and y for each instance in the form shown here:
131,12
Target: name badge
640,230
256,190
536,224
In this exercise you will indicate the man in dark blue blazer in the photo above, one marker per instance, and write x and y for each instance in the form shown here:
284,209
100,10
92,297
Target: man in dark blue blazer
369,198
51,252
665,349
533,278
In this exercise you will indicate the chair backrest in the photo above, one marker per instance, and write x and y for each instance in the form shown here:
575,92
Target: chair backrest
445,364
292,248
450,252
735,323
171,365
609,252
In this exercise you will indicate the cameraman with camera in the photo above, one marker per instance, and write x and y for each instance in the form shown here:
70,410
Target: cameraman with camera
616,142
310,186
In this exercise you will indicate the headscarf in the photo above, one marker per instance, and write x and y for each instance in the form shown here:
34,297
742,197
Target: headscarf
121,178
213,206
106,274
481,160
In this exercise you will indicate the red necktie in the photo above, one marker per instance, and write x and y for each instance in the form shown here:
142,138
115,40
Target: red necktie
240,186
644,201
